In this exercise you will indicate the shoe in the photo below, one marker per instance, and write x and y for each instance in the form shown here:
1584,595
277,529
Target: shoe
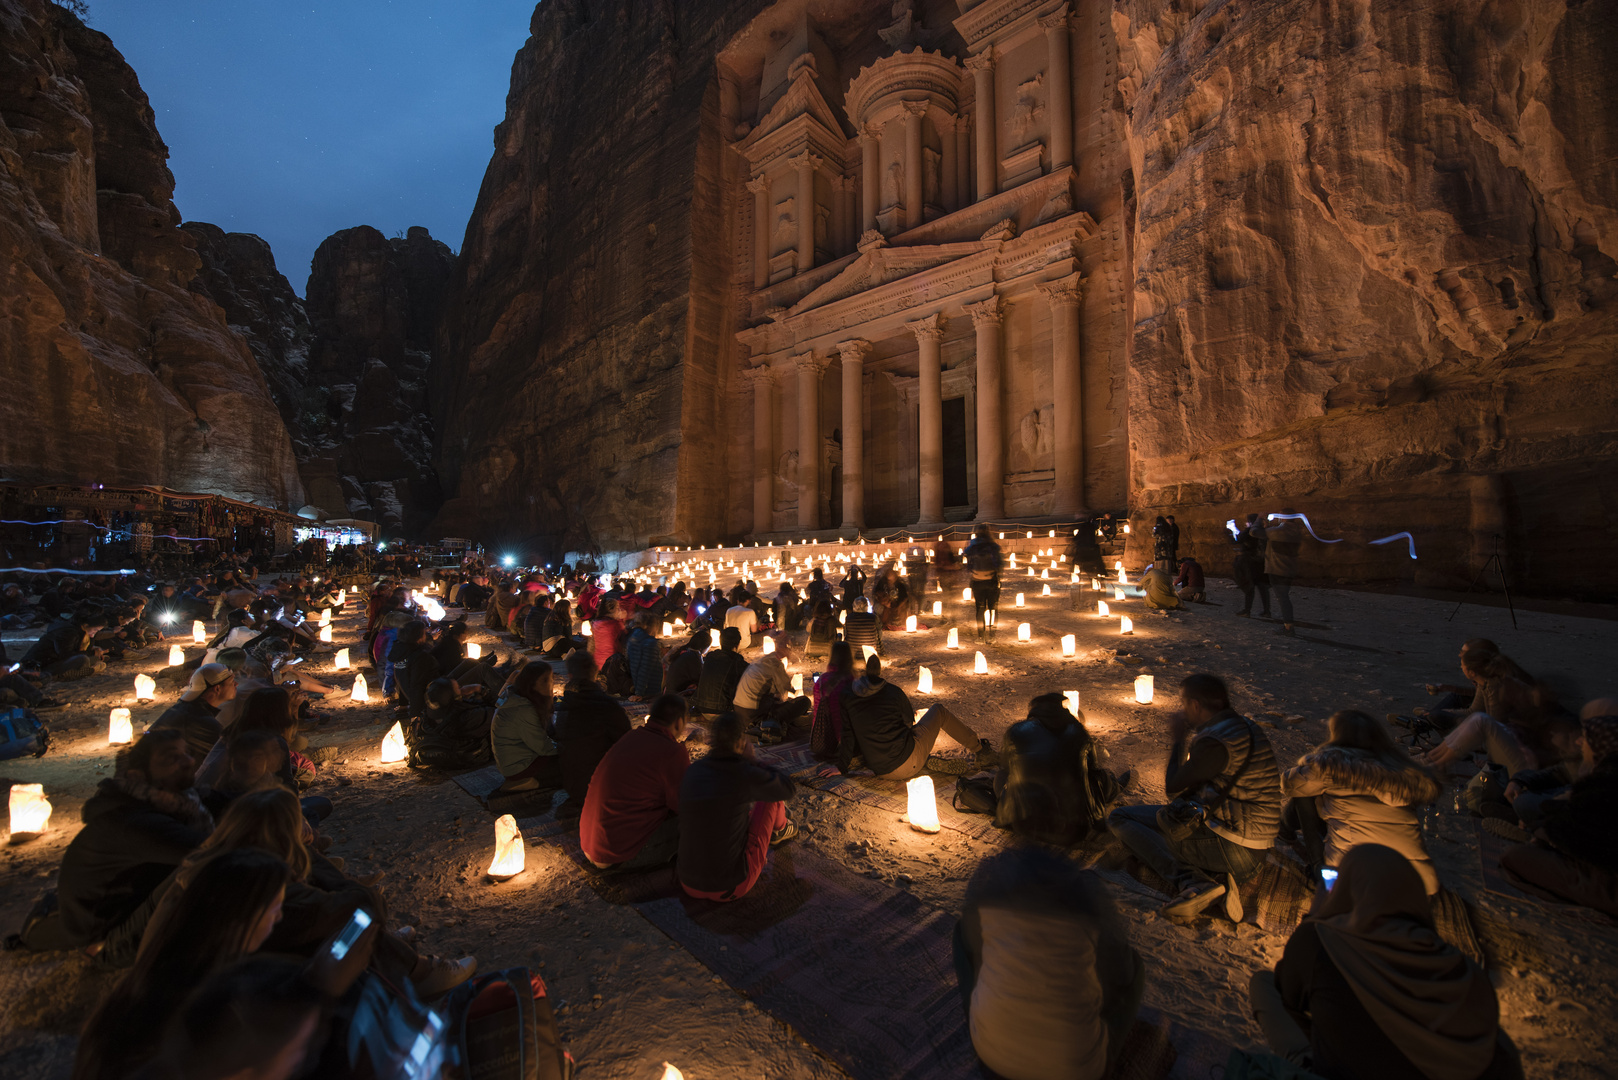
48,704
1192,901
406,934
337,862
1506,830
373,878
1126,780
986,756
513,787
1233,900
438,976
1245,614
1287,631
322,843
783,834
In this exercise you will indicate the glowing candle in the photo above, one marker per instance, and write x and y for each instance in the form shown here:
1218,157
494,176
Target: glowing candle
954,639
797,684
1046,591
474,651
361,692
342,597
671,1073
508,849
1095,584
866,652
980,666
1126,625
145,687
176,656
1019,602
584,627
1123,578
910,624
1102,609
938,609
769,645
1044,575
393,745
199,632
340,661
1069,645
923,804
325,634
119,728
842,618
1025,632
668,629
1117,594
325,616
1070,698
30,810
924,681
679,624
1143,689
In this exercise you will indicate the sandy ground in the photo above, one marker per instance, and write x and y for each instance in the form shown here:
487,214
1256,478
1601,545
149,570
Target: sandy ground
629,999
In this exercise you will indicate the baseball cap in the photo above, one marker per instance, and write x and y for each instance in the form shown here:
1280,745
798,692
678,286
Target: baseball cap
204,677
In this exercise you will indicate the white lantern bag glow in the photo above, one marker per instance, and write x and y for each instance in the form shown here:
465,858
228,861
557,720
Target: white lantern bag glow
508,849
867,652
361,692
1070,698
145,687
966,596
1025,632
769,645
1102,609
325,634
924,681
1070,645
1143,689
954,639
910,624
393,745
340,661
923,804
938,609
1046,591
120,729
325,616
30,810
199,632
1126,625
980,666
474,651
1019,602
176,656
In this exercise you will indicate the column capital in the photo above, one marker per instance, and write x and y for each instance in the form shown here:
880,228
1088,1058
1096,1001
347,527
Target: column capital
986,312
843,183
917,109
809,363
854,350
929,329
950,123
759,185
1056,20
806,160
762,376
980,62
870,132
1064,292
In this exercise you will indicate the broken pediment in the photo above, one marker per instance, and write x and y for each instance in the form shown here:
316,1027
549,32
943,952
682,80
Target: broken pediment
801,99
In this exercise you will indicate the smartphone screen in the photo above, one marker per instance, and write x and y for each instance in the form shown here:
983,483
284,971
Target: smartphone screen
1328,877
351,933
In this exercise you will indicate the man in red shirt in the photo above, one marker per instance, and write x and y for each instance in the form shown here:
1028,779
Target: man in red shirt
630,817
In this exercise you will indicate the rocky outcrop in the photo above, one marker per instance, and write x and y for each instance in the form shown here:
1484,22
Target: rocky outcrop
1374,258
117,372
365,441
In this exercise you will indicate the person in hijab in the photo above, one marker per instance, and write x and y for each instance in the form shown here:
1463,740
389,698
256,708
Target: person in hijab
1367,990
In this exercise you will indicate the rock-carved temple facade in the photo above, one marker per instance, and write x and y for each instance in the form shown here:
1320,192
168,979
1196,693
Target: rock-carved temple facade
913,255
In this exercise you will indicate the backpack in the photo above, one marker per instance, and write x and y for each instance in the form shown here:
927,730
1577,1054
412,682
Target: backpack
21,732
616,678
505,1030
457,744
975,796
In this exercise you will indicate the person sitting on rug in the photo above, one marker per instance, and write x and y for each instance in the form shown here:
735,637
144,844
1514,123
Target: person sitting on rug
732,811
1160,594
631,814
196,714
684,672
764,693
1051,787
520,731
1367,990
1574,855
1526,792
1191,586
826,724
1505,719
1359,787
880,726
1222,774
721,670
862,629
645,658
587,721
1046,972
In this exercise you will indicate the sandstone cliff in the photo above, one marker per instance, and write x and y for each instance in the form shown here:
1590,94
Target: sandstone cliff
117,372
1374,267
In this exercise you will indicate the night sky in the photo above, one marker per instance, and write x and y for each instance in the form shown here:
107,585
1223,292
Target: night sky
293,121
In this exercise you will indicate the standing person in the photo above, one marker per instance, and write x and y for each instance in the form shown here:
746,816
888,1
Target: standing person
983,565
853,585
1249,566
631,814
1227,809
1047,975
1174,542
1162,542
1367,990
1282,544
587,722
732,811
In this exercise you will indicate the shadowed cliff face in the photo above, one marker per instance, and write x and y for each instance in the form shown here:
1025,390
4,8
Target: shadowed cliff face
1373,275
116,371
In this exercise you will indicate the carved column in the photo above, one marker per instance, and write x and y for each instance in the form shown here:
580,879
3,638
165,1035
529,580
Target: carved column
982,68
1067,394
870,175
763,380
914,193
963,161
809,368
948,193
806,165
853,354
929,334
839,210
1061,91
986,318
760,187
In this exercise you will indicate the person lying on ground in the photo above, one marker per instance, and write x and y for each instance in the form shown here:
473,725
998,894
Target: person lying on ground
65,651
1359,787
721,671
732,811
587,721
1046,973
1051,787
196,714
1367,990
138,826
1222,773
881,728
1574,854
630,818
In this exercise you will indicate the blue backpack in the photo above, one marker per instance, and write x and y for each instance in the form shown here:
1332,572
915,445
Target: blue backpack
22,733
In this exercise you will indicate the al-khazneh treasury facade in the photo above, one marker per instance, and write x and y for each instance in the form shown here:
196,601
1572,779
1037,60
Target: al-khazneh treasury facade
928,319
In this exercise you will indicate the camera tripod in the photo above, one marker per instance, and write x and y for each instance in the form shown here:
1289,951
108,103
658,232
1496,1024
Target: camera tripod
1499,564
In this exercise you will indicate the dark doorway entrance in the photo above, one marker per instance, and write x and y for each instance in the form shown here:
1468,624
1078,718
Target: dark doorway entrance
955,489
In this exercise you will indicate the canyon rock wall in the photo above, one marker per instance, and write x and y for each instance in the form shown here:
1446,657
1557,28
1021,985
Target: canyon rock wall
117,371
1374,257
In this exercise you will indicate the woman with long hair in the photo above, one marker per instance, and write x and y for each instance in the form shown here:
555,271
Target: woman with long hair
826,721
607,632
228,911
1359,787
520,731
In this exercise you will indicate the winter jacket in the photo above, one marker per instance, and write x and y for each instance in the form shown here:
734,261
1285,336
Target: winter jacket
684,672
1364,800
1283,542
635,788
606,639
877,726
587,722
197,721
645,663
1055,790
1244,801
716,690
717,794
518,733
55,645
